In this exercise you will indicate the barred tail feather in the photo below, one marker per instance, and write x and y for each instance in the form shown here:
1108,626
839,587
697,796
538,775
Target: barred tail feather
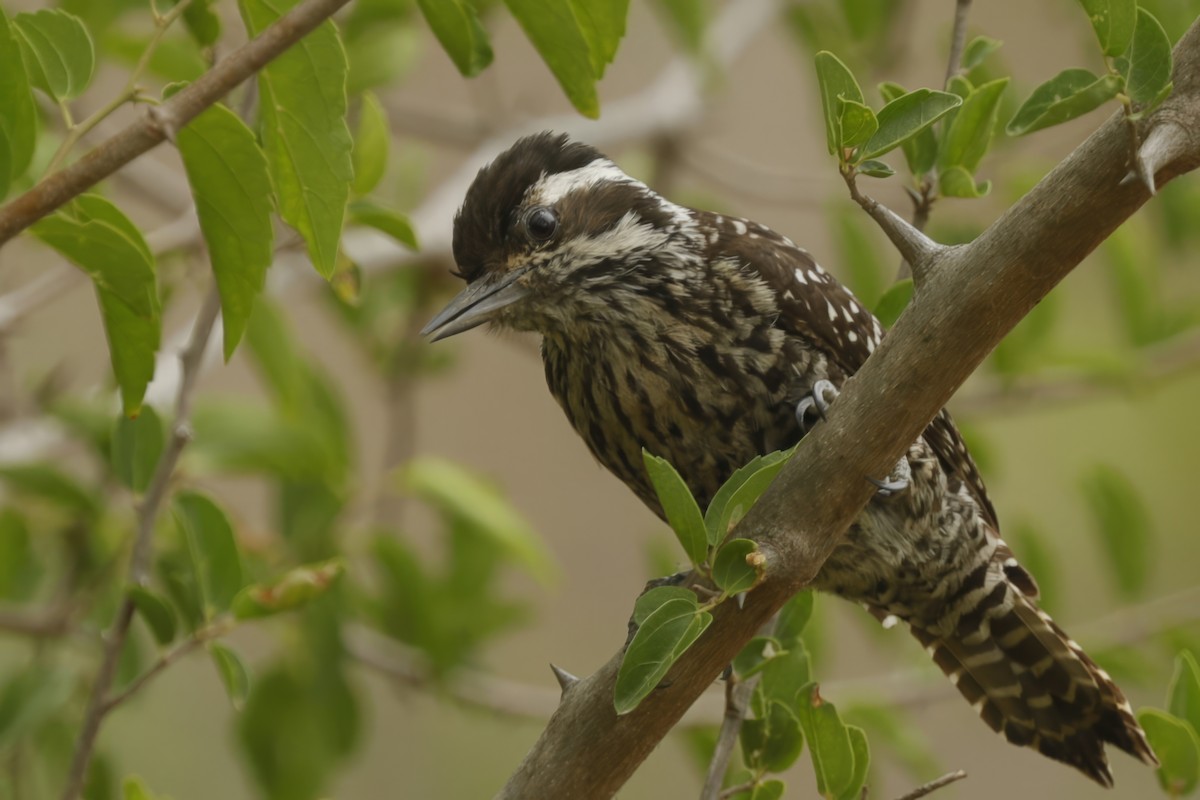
1030,682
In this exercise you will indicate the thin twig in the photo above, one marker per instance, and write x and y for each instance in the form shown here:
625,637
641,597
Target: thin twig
958,39
934,785
147,132
737,703
50,624
202,636
139,561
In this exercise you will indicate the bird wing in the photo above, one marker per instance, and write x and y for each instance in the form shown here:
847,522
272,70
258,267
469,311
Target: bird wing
816,306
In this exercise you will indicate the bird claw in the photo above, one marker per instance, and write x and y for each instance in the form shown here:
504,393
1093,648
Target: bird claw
815,401
898,481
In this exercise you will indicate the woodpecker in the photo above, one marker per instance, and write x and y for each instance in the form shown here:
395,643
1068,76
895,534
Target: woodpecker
706,339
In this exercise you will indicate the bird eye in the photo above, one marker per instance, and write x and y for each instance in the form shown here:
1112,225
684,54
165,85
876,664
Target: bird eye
541,223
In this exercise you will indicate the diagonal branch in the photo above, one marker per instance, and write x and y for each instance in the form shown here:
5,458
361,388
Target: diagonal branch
979,292
151,129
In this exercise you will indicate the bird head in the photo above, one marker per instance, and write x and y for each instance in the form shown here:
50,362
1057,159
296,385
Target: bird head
545,235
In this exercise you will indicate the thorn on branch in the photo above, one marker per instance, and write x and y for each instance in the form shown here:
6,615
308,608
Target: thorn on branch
164,121
566,681
915,247
1166,142
934,785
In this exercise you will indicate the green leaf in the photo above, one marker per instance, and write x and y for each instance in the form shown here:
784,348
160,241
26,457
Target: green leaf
462,494
384,220
554,31
894,301
233,673
134,788
773,742
977,50
1113,22
202,22
828,743
920,151
302,112
603,24
793,618
1178,749
371,142
58,51
732,570
296,588
755,656
783,677
1069,94
94,235
857,122
659,642
683,515
905,117
969,134
19,122
227,172
1147,66
835,81
862,763
382,55
688,18
740,492
51,484
456,25
1184,689
30,699
19,569
1123,523
875,169
768,790
650,600
136,445
155,611
212,550
957,181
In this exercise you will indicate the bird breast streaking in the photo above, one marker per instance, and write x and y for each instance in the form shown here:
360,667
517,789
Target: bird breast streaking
697,336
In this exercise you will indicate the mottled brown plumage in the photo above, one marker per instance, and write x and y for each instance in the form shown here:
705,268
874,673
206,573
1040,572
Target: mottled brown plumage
695,335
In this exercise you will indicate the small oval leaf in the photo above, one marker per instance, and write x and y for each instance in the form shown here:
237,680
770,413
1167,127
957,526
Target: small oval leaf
732,569
679,506
1178,749
835,81
1070,94
234,675
136,445
659,642
906,116
156,612
650,600
58,51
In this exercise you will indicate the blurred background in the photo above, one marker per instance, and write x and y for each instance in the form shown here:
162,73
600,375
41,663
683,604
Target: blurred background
408,685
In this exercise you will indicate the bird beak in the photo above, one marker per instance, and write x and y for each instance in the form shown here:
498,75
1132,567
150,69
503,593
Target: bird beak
475,305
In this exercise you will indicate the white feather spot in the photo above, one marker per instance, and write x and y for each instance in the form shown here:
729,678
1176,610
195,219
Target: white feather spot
854,307
788,295
832,311
870,345
846,314
740,227
800,276
814,275
852,336
890,621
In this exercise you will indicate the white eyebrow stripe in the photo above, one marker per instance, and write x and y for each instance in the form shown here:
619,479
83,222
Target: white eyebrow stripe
552,188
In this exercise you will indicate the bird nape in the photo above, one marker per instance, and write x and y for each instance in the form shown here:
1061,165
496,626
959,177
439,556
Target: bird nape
697,336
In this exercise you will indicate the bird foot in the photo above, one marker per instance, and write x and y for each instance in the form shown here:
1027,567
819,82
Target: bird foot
815,404
895,483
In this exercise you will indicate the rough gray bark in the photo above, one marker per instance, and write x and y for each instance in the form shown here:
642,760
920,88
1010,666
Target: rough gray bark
969,297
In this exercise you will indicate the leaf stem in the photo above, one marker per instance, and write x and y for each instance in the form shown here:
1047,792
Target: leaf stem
737,703
130,92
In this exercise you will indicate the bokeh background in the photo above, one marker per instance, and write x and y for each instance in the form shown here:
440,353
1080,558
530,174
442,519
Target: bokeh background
736,129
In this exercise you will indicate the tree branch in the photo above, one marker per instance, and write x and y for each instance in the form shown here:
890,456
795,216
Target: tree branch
979,293
737,702
934,785
151,129
139,560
